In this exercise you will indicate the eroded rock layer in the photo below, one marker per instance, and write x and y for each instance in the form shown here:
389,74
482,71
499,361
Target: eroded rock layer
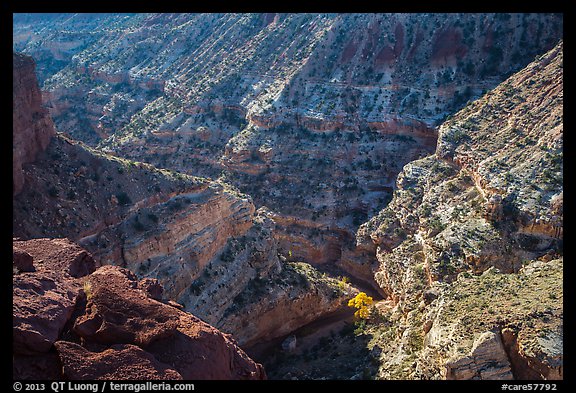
202,239
309,123
470,247
313,115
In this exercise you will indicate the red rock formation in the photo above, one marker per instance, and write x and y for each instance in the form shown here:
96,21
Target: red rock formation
120,361
32,127
44,300
22,261
118,312
117,315
349,51
118,330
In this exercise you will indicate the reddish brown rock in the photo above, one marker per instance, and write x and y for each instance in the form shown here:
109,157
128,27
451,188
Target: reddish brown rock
44,366
143,338
42,304
118,312
22,261
200,351
119,362
385,56
58,255
32,126
44,300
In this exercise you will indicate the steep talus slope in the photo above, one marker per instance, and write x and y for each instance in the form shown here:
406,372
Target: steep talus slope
75,320
470,247
161,224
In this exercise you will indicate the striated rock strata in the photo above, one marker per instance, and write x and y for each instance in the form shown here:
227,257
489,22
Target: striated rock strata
470,247
202,239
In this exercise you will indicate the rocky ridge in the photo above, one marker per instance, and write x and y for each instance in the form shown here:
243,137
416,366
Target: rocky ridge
102,323
470,247
33,127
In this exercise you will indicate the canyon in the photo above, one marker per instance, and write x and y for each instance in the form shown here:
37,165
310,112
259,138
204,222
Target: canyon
263,169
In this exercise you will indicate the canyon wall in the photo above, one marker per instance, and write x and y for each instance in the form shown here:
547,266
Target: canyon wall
332,144
312,115
32,125
322,70
470,248
179,229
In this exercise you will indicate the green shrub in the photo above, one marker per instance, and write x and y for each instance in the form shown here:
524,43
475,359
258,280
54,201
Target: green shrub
123,198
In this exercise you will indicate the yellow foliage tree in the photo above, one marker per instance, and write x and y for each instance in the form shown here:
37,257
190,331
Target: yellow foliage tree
361,302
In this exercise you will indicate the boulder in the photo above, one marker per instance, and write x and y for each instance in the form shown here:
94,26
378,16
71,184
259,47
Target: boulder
119,362
42,304
22,261
118,312
44,299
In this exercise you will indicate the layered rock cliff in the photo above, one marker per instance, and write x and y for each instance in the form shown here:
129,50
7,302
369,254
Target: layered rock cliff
327,70
202,239
470,247
313,115
75,320
165,225
32,125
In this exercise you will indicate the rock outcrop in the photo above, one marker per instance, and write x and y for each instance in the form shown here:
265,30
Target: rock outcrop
284,302
487,360
200,239
470,247
32,125
44,299
102,325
